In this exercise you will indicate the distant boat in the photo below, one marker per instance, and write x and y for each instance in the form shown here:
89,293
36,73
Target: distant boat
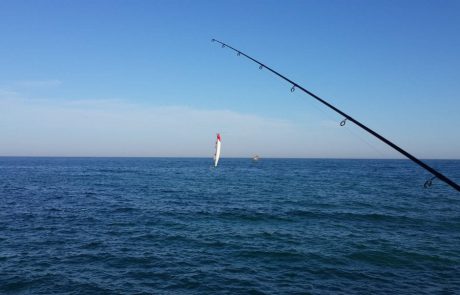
256,158
217,154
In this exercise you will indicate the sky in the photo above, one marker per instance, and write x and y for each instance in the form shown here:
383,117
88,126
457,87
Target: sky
142,78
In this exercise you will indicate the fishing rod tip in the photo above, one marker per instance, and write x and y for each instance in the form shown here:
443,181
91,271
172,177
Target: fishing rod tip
212,40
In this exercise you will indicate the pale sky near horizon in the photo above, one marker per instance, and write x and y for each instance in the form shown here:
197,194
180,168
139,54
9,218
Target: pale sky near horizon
142,78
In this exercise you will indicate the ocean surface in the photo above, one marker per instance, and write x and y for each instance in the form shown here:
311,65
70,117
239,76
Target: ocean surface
181,226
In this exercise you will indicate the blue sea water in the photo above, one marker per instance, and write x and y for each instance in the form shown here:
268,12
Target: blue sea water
180,226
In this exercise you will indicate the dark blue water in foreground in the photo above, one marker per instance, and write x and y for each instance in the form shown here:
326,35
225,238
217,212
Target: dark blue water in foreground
178,226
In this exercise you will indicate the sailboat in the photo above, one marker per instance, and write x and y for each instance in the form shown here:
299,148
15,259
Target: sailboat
217,154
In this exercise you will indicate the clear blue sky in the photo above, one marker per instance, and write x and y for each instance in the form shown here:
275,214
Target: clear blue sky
141,78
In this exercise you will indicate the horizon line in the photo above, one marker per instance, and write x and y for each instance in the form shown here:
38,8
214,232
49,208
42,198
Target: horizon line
229,157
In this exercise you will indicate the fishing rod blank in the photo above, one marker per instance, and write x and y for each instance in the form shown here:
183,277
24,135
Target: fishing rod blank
436,174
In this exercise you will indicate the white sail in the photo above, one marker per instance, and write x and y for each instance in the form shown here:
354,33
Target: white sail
217,154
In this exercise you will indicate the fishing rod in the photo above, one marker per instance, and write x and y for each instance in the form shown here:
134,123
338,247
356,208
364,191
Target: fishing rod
433,171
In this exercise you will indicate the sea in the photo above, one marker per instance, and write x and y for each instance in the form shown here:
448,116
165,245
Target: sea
182,226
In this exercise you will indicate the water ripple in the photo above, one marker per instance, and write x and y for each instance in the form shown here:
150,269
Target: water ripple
178,226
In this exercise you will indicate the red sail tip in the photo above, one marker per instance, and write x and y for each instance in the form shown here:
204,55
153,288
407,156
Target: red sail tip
218,136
